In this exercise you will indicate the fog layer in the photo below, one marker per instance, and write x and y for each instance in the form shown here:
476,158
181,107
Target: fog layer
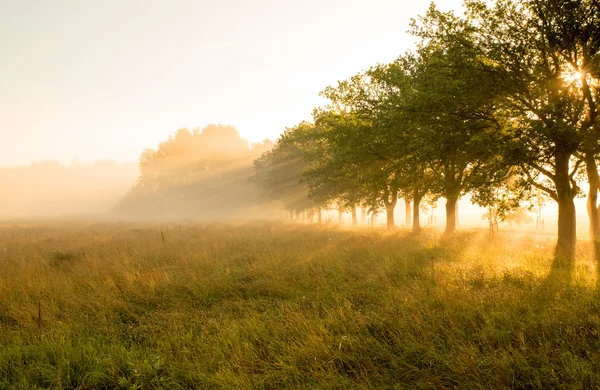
49,190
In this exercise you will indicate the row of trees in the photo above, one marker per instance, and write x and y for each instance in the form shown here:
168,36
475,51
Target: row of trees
499,103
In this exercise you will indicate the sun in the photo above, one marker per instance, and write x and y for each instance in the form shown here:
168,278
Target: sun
572,75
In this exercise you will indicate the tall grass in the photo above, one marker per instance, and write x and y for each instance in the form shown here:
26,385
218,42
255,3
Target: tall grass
283,306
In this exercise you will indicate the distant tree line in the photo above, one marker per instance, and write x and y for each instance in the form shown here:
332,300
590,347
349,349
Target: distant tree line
500,103
200,173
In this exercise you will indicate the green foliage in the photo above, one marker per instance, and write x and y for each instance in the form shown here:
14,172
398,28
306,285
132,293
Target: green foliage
279,171
508,91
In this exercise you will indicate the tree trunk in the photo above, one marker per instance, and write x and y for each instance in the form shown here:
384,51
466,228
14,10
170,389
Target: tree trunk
456,214
408,212
340,216
389,209
319,216
491,221
363,214
451,215
567,230
592,205
390,201
416,220
565,247
354,217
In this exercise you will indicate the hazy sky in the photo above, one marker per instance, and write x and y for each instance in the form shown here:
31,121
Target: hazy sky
105,79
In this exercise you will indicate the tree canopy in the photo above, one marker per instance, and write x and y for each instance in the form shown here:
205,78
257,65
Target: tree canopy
198,174
498,102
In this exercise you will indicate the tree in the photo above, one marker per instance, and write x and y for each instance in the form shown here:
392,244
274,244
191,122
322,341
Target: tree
279,171
571,29
358,167
502,200
454,109
196,173
400,131
546,118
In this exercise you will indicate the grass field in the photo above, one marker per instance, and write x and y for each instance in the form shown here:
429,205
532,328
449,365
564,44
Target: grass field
87,306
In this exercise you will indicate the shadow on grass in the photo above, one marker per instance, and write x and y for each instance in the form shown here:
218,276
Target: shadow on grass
429,247
596,252
563,266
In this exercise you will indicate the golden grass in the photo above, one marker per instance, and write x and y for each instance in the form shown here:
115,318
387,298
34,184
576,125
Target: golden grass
287,306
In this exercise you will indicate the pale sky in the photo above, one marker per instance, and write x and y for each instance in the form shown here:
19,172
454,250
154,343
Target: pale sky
105,79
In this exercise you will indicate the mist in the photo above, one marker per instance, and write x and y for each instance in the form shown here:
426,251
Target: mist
49,189
200,174
210,174
411,199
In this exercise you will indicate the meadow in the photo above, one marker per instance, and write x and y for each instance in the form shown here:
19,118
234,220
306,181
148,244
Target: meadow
269,306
